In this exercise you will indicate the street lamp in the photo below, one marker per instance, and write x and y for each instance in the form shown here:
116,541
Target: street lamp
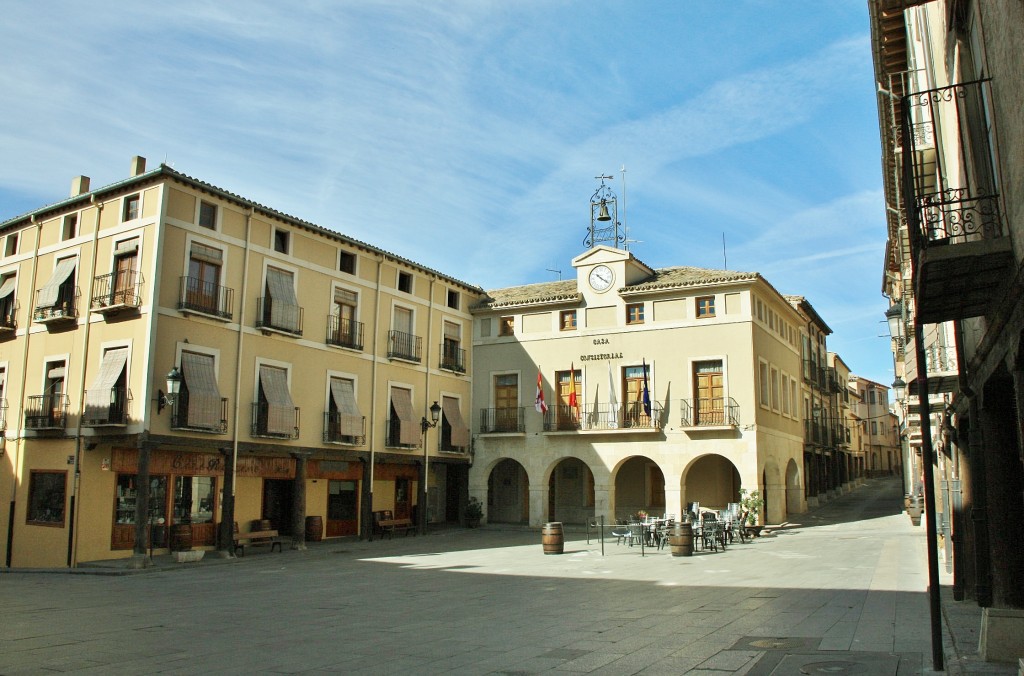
894,317
173,388
435,415
899,388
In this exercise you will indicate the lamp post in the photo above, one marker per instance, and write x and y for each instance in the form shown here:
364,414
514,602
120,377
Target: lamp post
435,415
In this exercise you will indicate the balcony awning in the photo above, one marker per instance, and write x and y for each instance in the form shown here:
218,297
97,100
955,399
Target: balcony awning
99,398
409,427
284,311
8,287
460,432
350,422
50,291
203,395
280,408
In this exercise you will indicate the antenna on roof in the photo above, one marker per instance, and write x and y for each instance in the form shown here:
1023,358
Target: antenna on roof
725,259
558,271
625,224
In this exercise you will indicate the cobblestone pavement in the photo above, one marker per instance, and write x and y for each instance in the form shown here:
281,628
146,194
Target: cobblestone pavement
841,591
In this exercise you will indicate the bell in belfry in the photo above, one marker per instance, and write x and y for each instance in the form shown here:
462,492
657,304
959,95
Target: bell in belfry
602,214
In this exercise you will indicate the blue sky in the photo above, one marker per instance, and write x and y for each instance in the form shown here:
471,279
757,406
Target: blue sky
466,134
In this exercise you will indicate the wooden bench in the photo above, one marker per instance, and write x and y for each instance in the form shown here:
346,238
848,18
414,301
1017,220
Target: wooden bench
254,538
389,526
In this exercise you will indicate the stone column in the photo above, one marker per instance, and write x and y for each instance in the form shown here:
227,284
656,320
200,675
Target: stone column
226,531
299,504
140,553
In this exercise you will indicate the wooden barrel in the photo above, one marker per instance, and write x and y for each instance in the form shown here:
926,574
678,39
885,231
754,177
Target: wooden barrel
314,528
680,541
181,537
552,539
262,524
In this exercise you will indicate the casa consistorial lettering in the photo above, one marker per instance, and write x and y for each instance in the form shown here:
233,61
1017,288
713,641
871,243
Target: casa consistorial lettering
604,356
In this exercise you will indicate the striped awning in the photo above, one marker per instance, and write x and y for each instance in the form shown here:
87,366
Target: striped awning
50,291
460,432
284,307
203,395
350,423
8,287
99,396
409,430
280,408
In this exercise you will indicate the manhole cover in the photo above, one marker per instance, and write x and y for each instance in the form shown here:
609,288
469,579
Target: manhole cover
833,667
775,643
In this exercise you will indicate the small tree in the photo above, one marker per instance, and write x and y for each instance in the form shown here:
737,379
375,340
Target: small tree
751,502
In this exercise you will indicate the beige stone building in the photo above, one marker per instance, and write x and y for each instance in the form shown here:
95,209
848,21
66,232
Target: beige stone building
717,354
307,364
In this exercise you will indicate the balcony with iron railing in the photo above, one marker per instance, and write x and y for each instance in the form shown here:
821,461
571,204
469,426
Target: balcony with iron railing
452,358
185,419
502,420
199,297
64,310
941,367
113,414
344,332
117,291
604,417
8,317
3,415
709,413
405,346
274,425
958,234
277,317
336,431
47,412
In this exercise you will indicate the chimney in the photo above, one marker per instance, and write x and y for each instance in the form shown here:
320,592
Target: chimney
79,185
138,165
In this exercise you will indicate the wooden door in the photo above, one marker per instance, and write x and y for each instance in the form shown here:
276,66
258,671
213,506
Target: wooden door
403,499
710,404
124,280
342,508
278,503
567,416
506,403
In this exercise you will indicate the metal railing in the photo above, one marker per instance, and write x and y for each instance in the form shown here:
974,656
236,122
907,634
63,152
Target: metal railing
115,413
117,289
66,306
333,434
499,420
3,415
344,332
453,358
619,416
394,430
205,297
47,412
180,419
261,423
9,316
712,412
277,316
404,346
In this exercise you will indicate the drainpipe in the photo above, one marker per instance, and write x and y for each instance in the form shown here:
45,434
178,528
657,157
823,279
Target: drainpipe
227,507
426,390
77,475
367,530
18,462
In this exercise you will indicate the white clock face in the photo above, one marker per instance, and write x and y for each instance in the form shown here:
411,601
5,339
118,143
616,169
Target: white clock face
601,278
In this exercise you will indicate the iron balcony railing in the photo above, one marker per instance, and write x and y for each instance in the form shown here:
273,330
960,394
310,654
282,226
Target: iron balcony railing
333,431
453,358
344,332
277,316
404,346
66,307
499,420
261,423
9,316
47,412
711,412
205,297
596,417
115,413
393,438
561,418
3,415
117,289
183,421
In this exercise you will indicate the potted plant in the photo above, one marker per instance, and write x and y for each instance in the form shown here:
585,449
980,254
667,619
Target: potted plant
751,502
474,512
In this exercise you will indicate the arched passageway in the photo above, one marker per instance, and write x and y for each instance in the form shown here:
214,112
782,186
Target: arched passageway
571,492
639,485
713,481
508,491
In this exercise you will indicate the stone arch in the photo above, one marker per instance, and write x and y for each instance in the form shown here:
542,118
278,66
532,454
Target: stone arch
639,485
794,491
570,491
508,493
712,480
